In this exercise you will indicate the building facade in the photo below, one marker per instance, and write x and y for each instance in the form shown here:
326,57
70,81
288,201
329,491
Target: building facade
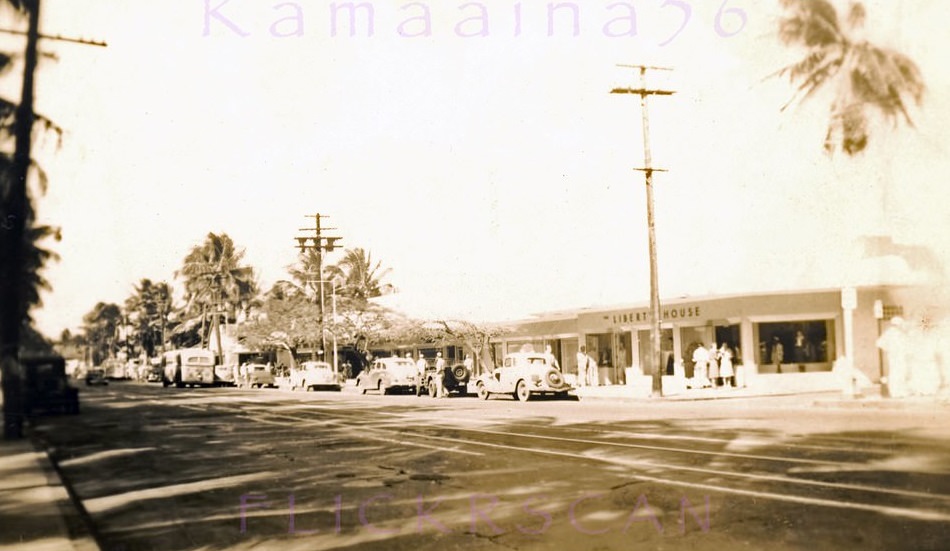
788,334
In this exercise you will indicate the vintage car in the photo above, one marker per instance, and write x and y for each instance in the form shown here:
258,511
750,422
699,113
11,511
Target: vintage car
95,376
153,373
387,375
523,374
455,380
315,375
46,386
259,375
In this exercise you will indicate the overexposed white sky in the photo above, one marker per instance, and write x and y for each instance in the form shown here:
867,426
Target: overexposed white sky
493,174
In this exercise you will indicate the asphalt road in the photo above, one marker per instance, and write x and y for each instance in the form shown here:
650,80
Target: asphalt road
223,468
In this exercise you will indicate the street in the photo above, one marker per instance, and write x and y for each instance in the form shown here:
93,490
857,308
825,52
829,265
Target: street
222,468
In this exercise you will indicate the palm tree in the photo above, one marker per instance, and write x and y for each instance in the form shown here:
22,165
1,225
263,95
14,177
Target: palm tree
16,121
864,76
99,327
215,280
361,278
148,308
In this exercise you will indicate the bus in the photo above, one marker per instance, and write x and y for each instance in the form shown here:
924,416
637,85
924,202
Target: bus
189,366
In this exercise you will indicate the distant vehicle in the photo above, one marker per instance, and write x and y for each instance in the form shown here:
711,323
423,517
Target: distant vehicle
315,375
153,373
522,375
389,374
96,376
233,359
114,369
46,385
260,375
455,379
189,366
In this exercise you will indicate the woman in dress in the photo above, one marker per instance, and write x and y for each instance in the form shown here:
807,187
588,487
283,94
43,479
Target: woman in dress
713,365
726,370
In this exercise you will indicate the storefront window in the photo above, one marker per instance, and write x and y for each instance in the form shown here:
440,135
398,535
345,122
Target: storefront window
793,347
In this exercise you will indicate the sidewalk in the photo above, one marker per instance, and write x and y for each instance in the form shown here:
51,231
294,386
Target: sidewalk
36,512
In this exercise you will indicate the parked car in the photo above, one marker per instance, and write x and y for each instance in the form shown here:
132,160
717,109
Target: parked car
455,380
154,373
523,374
96,376
260,375
389,374
46,385
315,375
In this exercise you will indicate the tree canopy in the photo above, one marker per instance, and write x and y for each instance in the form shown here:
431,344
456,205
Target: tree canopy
865,77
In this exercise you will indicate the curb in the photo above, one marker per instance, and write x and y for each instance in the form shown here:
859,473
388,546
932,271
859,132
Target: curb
79,528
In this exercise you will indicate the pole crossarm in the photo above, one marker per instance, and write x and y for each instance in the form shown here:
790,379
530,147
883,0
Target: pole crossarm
643,91
58,38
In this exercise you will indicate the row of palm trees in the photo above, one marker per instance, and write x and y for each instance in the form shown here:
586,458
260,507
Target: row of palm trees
220,289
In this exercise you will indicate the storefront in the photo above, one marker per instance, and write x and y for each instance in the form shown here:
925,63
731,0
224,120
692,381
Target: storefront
780,333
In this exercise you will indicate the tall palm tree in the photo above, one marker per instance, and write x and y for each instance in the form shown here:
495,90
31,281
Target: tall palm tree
216,281
99,327
148,307
361,278
864,77
17,216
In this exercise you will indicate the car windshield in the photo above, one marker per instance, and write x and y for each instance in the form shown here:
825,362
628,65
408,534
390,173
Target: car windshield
403,363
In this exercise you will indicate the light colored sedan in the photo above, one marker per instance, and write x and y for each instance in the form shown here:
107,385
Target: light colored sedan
389,374
260,375
315,375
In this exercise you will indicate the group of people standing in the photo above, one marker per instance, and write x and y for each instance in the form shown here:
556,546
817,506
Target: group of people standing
712,367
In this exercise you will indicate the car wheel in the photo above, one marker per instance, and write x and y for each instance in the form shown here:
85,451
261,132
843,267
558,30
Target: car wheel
459,372
483,391
521,391
381,389
554,378
433,390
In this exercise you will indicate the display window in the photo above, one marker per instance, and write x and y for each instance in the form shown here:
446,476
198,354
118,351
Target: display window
795,346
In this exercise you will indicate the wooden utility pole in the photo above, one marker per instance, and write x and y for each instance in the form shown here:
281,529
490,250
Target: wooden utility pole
15,217
321,244
644,92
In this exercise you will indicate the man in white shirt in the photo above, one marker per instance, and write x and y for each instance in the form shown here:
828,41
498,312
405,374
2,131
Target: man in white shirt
440,375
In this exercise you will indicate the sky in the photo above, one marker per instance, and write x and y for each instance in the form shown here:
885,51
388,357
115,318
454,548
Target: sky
492,174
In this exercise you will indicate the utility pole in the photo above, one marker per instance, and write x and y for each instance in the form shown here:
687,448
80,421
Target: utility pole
320,244
16,217
644,92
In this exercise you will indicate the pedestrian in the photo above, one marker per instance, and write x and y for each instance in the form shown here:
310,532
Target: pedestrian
244,375
552,360
726,370
593,372
440,376
713,366
778,353
582,361
700,363
469,364
802,350
421,367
